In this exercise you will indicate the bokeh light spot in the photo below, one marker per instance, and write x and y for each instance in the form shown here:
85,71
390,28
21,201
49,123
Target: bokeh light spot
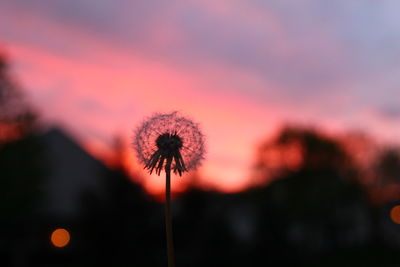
60,237
395,214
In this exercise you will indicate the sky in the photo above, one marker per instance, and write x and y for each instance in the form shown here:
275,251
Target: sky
239,68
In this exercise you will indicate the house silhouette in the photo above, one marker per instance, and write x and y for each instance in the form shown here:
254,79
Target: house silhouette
70,172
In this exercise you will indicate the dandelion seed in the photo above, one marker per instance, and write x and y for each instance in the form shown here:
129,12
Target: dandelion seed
169,141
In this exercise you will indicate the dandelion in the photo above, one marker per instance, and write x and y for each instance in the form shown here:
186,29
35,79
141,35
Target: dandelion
169,142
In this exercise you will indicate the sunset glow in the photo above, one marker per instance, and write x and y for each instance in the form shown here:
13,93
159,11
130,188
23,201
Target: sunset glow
239,68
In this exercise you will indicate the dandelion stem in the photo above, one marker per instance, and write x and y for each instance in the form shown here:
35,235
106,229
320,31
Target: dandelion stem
168,218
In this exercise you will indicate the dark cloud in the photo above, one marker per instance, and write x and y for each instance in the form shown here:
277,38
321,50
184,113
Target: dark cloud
390,112
117,21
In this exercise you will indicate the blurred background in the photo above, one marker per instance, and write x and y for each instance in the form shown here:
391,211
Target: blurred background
299,103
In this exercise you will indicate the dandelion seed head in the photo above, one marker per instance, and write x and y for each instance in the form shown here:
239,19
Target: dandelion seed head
169,136
168,142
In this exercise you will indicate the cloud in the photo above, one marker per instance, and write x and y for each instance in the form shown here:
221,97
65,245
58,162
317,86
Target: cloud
273,50
240,66
305,46
390,112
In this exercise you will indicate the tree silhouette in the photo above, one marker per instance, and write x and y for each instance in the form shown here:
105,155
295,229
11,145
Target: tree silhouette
296,148
17,117
21,172
317,207
388,166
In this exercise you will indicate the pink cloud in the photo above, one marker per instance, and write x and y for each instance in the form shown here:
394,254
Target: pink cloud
98,87
123,88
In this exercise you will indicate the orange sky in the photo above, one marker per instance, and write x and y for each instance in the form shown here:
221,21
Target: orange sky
98,87
103,102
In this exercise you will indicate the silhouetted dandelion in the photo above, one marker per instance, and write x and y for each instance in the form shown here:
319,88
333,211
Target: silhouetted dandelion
169,142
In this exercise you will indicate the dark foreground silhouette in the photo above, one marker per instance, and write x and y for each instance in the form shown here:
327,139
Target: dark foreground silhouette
316,205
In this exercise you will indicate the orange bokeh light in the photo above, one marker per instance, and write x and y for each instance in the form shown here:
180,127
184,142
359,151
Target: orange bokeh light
60,237
395,214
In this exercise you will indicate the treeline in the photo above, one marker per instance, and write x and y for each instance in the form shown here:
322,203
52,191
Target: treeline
320,200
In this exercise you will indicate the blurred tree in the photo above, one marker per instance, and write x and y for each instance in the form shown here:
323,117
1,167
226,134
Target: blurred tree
296,148
388,166
386,176
18,158
21,170
317,151
17,117
315,205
